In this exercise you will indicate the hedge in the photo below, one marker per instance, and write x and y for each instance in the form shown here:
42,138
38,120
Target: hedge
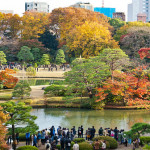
58,146
145,139
79,140
147,147
27,148
113,143
85,146
22,137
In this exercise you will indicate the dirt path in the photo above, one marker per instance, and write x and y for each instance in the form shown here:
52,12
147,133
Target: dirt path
37,91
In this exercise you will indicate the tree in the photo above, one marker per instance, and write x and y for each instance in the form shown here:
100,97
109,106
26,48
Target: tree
36,54
132,88
2,58
45,60
22,89
49,40
135,39
64,20
7,79
60,57
19,115
86,75
90,39
3,131
34,24
144,53
114,58
25,54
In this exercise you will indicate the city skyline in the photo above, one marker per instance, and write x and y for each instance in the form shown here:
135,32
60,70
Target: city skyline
18,6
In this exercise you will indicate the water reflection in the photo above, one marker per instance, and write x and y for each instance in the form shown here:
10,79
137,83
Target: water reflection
123,119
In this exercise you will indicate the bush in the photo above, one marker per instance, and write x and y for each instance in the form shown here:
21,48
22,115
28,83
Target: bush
31,71
145,139
15,69
146,147
85,146
59,146
113,143
22,137
27,148
55,90
79,140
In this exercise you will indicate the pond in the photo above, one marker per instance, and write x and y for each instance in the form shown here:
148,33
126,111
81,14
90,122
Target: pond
123,119
43,81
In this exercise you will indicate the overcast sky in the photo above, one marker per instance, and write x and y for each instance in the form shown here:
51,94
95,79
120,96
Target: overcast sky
19,5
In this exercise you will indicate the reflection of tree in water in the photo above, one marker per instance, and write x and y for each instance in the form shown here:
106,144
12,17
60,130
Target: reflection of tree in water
123,119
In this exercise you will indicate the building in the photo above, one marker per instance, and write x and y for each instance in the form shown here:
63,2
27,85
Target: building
119,15
37,6
141,17
7,11
106,11
138,6
83,5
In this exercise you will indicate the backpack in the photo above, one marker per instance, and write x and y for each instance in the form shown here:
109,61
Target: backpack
47,146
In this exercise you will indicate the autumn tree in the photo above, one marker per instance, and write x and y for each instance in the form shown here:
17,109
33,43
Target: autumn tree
60,57
2,58
63,20
132,88
19,115
3,131
135,39
90,39
34,23
22,89
114,58
7,79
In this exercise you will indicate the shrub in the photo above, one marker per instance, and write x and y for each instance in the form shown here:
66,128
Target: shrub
85,146
59,146
113,143
145,139
55,90
31,71
15,69
79,140
147,147
27,148
22,137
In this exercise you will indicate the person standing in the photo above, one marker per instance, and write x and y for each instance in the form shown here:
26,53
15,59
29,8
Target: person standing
39,139
76,146
34,140
82,131
62,143
43,137
96,145
100,131
48,145
17,138
116,133
28,138
103,144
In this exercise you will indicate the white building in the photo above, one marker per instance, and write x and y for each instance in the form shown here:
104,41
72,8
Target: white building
138,6
83,5
37,6
7,11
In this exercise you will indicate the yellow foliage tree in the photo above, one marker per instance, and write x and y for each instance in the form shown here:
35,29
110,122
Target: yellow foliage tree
89,39
34,23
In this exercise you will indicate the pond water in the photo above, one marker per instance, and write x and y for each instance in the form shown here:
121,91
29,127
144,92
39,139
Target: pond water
123,119
45,81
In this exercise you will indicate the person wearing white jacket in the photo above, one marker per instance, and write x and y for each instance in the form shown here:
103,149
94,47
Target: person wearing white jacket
48,145
76,146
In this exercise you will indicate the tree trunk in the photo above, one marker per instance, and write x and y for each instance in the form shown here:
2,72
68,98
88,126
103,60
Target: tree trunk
13,137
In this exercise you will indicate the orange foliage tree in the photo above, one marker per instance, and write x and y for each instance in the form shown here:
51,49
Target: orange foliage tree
132,88
3,131
7,79
144,52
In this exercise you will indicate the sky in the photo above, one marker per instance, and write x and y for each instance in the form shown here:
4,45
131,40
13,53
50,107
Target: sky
18,6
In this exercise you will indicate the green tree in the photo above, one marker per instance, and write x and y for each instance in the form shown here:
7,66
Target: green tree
50,41
86,75
36,54
45,60
114,58
25,54
60,57
19,116
2,58
22,89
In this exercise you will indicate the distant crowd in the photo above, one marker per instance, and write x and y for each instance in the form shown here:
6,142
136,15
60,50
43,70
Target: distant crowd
51,137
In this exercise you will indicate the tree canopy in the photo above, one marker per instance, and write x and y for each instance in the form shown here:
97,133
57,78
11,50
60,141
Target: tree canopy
2,58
